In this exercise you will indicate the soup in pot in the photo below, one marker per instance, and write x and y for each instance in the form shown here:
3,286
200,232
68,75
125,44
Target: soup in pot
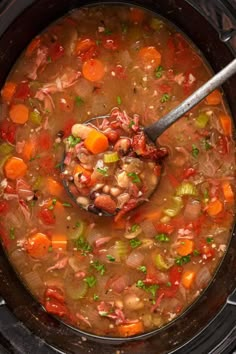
142,266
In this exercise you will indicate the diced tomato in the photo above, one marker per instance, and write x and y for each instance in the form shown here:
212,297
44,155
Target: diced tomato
110,42
173,180
120,72
55,51
152,276
55,293
164,88
47,164
223,145
4,207
67,128
44,141
66,103
86,49
206,250
47,216
168,55
197,224
189,172
165,228
22,91
55,307
8,131
175,274
10,189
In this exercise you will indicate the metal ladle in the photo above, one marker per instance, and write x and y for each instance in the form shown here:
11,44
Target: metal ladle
154,130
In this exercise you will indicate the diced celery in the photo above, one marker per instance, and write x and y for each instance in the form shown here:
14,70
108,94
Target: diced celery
186,188
35,117
121,248
156,24
177,205
78,230
160,263
77,290
111,157
37,183
5,149
202,120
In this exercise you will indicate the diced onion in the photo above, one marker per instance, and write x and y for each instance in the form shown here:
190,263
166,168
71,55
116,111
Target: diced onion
135,259
148,228
120,284
203,277
77,290
34,281
192,210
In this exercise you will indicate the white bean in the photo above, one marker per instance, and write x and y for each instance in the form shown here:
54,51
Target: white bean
83,201
81,131
106,189
123,180
115,191
133,302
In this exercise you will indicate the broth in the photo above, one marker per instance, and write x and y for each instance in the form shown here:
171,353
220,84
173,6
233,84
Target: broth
134,273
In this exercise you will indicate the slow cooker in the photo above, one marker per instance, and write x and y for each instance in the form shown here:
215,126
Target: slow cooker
209,325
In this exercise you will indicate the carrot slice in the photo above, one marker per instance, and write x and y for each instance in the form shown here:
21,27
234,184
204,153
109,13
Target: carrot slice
15,168
8,91
214,207
28,150
149,56
55,205
37,245
186,247
228,192
226,124
32,46
59,241
136,15
96,142
131,329
79,169
93,70
214,98
188,278
54,187
83,45
19,113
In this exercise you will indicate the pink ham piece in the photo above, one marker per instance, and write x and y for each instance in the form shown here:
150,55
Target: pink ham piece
62,263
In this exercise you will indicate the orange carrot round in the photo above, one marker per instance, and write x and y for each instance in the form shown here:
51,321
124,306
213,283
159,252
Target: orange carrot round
96,142
228,192
8,91
93,70
188,278
15,168
186,247
127,330
54,187
28,150
214,207
37,245
226,124
150,56
59,241
214,98
19,113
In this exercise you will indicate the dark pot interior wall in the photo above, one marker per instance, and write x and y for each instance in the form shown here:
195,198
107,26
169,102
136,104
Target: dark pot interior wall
32,21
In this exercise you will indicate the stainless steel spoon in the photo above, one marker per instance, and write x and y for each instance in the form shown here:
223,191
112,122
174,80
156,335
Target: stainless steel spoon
154,130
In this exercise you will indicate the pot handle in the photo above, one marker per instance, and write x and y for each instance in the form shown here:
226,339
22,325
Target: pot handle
5,5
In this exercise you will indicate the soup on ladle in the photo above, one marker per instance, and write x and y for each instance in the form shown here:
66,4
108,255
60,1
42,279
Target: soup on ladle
135,271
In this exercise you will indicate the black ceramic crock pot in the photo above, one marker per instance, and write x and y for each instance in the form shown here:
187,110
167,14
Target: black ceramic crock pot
209,326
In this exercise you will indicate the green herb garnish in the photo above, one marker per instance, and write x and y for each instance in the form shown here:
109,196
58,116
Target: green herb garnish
143,269
207,146
134,227
209,239
67,205
159,72
103,171
91,281
195,151
82,245
73,141
99,267
107,31
152,289
135,242
110,258
79,101
124,28
12,233
118,99
168,284
162,238
196,253
165,98
34,158
183,260
134,176
95,297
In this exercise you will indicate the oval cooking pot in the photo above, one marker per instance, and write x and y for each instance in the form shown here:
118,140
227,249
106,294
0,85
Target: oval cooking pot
211,321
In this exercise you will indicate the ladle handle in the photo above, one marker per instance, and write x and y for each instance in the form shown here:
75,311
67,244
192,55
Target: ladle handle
156,129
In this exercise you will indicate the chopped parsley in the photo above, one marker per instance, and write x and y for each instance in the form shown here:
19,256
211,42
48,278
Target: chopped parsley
206,196
162,238
134,227
12,233
99,267
77,224
34,158
118,100
168,284
91,281
79,101
206,144
98,42
59,165
51,207
103,171
134,176
67,205
73,141
195,151
110,258
152,289
50,249
131,124
183,260
49,59
108,31
143,269
124,28
209,239
82,245
196,253
159,72
165,98
95,297
135,242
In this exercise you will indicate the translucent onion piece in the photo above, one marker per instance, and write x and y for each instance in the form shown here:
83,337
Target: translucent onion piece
203,277
34,281
192,210
77,290
148,228
135,259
